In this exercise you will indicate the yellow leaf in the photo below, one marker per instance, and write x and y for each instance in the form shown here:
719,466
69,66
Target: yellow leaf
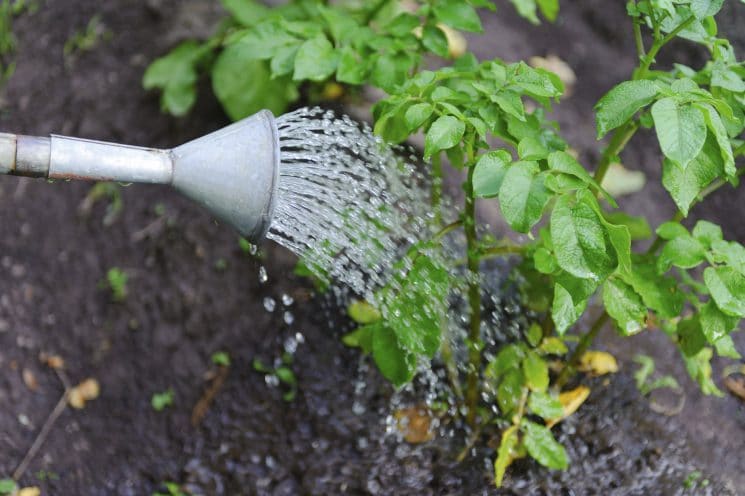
506,454
29,491
457,43
570,401
362,312
598,363
415,424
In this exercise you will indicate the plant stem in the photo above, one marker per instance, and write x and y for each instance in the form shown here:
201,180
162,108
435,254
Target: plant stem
474,295
616,145
437,188
638,36
584,343
658,43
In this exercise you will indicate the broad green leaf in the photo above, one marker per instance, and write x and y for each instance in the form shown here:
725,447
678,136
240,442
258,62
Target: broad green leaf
510,390
618,235
523,196
8,486
714,323
362,337
580,240
705,8
283,62
417,114
263,40
458,14
624,306
435,41
549,8
660,293
395,363
685,252
542,446
527,9
316,60
725,347
681,130
545,406
390,121
638,226
489,173
671,230
727,288
351,69
507,358
246,12
341,25
362,312
535,369
504,453
699,368
730,253
544,260
685,183
510,102
537,82
445,133
622,102
531,148
724,77
553,346
707,233
244,86
175,74
563,310
715,125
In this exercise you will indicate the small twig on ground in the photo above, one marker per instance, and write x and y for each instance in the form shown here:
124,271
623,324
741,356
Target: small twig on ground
469,444
204,403
46,428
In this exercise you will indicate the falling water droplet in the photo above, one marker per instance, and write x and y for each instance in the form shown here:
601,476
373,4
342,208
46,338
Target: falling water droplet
263,277
288,318
287,300
269,304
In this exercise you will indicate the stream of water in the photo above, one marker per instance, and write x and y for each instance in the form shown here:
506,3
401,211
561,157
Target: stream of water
347,203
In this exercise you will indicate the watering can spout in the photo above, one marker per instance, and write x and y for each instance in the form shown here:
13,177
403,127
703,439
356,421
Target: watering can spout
233,172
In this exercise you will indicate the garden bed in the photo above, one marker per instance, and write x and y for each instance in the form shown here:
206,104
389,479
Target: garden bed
193,291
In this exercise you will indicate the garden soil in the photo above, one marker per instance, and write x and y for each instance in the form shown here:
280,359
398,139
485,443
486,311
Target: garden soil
192,291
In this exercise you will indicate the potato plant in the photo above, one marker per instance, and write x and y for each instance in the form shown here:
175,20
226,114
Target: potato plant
581,248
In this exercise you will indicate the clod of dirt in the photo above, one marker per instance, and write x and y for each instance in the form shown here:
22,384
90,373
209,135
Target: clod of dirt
87,390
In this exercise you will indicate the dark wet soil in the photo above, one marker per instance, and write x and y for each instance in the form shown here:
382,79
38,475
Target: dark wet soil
192,291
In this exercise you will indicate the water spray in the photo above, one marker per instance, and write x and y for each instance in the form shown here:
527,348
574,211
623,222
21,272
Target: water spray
232,172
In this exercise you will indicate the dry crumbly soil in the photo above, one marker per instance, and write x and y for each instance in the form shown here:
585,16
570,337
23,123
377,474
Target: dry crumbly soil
192,292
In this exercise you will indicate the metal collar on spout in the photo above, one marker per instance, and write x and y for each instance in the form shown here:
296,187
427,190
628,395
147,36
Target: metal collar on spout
232,172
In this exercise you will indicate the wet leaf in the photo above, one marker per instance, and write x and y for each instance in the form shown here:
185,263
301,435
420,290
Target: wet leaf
489,173
445,133
622,102
681,130
417,114
727,288
458,14
505,454
542,446
316,60
536,372
415,424
553,346
523,195
362,312
545,406
598,363
624,306
570,401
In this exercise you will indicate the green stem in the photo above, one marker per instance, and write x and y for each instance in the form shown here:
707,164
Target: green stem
638,36
617,143
474,295
584,343
658,43
437,188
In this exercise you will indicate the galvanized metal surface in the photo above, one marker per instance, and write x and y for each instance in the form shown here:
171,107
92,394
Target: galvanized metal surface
232,172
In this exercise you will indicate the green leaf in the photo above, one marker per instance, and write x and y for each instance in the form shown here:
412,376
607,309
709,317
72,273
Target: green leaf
435,41
714,323
510,390
542,446
417,114
725,347
395,363
705,8
246,12
707,233
563,310
561,161
545,406
716,126
553,346
624,306
445,132
175,74
523,195
684,251
527,9
727,288
730,253
352,69
681,130
504,453
362,337
263,40
342,26
638,226
7,486
283,61
699,368
510,102
622,102
244,85
536,372
362,312
536,82
579,240
549,8
685,183
507,358
458,14
316,60
531,148
660,293
489,173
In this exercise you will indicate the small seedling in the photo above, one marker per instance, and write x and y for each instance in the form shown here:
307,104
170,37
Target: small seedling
281,374
644,383
103,191
172,489
221,358
116,281
161,401
7,487
87,39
